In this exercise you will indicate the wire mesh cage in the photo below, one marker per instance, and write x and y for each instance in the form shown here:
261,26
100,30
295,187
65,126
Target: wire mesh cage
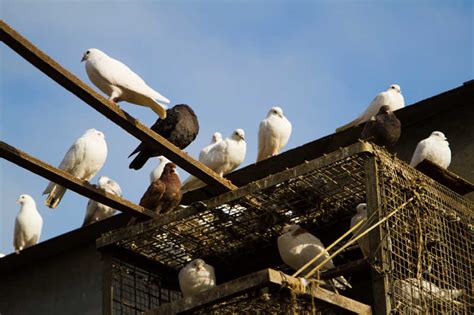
429,244
426,246
135,287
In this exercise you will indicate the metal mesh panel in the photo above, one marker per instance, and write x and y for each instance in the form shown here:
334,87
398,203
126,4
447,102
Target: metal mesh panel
245,224
430,244
135,290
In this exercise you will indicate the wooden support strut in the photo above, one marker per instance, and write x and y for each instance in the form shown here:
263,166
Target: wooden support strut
70,182
110,110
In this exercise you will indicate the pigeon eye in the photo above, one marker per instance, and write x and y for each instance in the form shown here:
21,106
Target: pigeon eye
87,52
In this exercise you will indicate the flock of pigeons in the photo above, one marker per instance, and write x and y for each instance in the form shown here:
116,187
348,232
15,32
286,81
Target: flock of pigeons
180,126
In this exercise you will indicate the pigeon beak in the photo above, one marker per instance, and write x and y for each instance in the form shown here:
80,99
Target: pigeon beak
83,58
242,137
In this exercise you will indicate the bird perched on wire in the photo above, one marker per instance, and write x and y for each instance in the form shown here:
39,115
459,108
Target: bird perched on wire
164,194
223,157
435,148
158,170
83,160
297,246
180,127
364,240
393,98
384,129
196,277
28,224
120,83
273,134
96,211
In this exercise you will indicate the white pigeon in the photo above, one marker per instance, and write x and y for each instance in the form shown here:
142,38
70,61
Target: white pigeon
196,277
273,134
419,292
156,172
216,137
83,160
364,240
434,148
297,246
28,224
120,83
224,156
393,98
96,211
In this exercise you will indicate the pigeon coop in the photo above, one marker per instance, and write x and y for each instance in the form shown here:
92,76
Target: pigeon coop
421,258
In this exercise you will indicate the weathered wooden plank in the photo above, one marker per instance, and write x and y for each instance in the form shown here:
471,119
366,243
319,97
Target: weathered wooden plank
62,178
380,285
254,281
445,177
110,110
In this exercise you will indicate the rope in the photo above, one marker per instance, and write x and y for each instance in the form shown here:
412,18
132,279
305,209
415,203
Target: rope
350,242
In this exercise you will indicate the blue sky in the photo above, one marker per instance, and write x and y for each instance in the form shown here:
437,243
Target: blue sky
321,61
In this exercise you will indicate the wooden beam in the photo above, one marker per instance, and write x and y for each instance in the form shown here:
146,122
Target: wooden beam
445,177
62,178
264,278
110,110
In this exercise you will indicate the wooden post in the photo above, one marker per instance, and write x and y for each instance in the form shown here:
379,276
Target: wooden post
378,245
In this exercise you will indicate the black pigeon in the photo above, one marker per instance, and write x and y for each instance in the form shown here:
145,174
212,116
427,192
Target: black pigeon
180,127
384,130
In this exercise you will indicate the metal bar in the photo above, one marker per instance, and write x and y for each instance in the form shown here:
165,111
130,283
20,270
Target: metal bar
107,284
378,246
73,84
62,178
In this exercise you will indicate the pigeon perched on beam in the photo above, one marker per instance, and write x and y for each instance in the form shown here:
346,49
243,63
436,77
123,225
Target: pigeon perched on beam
434,148
28,224
96,211
216,137
384,129
223,157
120,83
158,170
196,277
164,194
180,127
273,134
297,246
83,160
393,98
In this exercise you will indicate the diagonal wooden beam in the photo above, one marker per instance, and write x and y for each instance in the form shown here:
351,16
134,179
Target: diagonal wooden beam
62,178
73,84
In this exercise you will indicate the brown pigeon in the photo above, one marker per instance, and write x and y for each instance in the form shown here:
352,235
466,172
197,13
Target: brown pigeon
384,130
164,194
180,127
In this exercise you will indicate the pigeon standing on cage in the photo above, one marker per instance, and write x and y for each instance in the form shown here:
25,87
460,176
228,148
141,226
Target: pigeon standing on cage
223,157
180,127
273,133
435,148
196,277
393,98
364,240
96,211
297,246
28,224
164,194
83,160
120,83
384,129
